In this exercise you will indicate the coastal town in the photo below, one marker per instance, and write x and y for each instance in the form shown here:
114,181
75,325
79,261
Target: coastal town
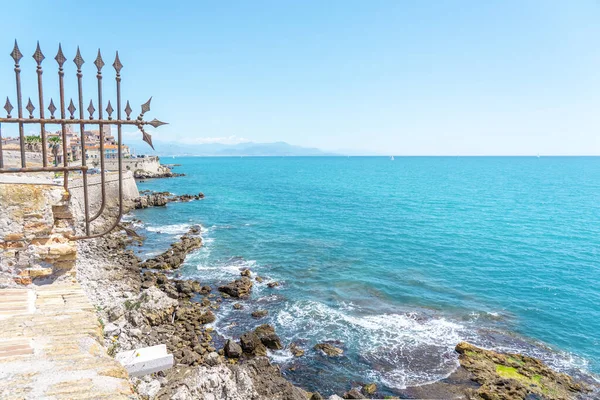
94,138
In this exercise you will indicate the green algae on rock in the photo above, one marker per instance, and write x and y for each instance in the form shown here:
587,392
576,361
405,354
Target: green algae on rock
515,376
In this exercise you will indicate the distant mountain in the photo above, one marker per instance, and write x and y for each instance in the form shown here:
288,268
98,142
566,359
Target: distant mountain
223,150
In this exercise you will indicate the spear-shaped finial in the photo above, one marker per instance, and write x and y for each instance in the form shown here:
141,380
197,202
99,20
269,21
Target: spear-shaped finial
16,53
52,109
8,107
78,60
99,62
91,109
71,109
30,108
117,64
38,56
60,57
109,110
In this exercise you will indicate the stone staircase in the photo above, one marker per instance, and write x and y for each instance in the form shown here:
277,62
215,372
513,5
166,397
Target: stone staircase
50,347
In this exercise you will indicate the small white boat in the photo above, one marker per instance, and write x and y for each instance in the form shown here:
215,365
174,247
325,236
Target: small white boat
392,158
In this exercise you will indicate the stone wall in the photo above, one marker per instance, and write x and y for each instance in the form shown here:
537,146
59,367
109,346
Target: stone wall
35,227
149,164
38,221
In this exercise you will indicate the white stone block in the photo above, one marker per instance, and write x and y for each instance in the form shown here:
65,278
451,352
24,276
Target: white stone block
146,360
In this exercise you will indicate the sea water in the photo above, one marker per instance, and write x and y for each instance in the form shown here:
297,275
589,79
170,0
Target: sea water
397,261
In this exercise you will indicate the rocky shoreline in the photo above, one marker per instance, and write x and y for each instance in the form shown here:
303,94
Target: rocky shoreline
144,303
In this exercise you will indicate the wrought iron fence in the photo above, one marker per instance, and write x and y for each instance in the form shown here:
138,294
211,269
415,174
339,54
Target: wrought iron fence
70,119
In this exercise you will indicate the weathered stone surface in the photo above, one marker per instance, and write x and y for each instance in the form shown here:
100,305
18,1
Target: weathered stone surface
238,288
232,349
512,376
353,394
329,349
252,345
175,256
268,337
369,389
259,314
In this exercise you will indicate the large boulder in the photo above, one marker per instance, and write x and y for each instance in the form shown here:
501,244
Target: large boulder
252,345
268,337
232,349
238,288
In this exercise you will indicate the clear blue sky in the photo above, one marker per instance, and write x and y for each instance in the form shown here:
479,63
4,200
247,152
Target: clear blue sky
394,77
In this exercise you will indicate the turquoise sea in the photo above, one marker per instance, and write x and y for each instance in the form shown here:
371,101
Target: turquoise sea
398,261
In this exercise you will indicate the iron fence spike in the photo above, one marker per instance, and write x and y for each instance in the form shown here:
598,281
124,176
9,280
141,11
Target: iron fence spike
30,107
72,109
8,107
109,110
52,108
117,64
16,53
156,123
78,60
147,137
38,56
128,110
146,107
91,109
99,62
60,57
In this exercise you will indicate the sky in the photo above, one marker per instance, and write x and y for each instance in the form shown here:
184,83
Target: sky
373,76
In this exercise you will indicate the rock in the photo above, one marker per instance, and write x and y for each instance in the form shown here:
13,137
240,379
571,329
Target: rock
258,279
272,284
212,358
238,288
316,396
508,376
115,313
232,349
268,337
238,306
175,256
329,349
369,388
296,351
252,345
353,394
246,272
111,329
334,397
259,314
148,389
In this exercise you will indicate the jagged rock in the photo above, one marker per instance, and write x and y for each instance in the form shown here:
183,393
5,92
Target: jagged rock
238,288
508,376
316,396
175,256
296,351
353,394
268,337
259,314
369,389
272,284
246,272
252,345
238,306
329,349
258,279
232,349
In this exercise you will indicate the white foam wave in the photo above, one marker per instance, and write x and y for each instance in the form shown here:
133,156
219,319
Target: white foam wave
408,349
175,229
